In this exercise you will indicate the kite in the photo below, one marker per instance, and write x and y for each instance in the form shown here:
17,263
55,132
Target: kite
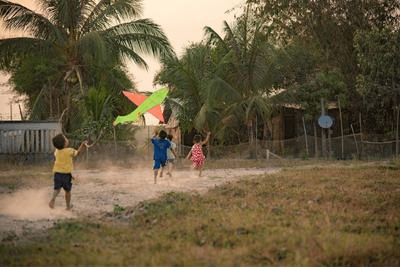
151,104
139,99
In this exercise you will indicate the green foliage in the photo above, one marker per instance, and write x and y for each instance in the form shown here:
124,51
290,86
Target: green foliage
314,24
170,205
379,58
74,46
75,226
188,78
117,208
225,80
96,113
326,84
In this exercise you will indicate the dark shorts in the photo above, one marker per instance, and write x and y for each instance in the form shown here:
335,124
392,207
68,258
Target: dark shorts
158,163
62,180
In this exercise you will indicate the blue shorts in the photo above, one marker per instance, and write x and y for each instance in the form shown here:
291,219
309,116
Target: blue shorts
62,180
158,163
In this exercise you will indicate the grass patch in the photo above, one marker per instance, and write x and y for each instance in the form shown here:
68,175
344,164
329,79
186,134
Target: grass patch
215,177
20,177
117,208
328,215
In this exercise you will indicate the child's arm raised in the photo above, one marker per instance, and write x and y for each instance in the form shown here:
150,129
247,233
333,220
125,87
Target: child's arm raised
155,132
207,138
81,148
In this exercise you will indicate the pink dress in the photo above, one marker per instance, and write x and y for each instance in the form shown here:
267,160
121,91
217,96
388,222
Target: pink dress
197,155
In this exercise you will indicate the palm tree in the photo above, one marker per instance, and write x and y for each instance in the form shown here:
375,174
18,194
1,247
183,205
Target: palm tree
188,77
79,37
244,79
223,79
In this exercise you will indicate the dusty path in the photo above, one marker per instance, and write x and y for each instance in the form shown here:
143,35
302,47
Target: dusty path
96,192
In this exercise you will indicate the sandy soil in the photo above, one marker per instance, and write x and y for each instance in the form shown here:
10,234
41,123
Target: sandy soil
25,212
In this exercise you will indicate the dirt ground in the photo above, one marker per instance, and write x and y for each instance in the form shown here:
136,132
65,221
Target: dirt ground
25,212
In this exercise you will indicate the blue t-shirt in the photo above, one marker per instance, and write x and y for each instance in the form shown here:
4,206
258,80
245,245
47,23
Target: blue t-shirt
160,148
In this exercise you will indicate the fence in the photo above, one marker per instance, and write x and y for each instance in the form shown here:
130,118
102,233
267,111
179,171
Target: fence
27,138
348,147
24,142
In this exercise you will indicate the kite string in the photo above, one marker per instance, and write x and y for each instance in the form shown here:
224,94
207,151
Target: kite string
60,121
98,138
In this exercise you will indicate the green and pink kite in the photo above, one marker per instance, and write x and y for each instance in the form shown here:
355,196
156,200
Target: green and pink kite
145,104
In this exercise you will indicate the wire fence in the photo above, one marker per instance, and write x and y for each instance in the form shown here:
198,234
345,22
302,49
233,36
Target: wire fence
346,148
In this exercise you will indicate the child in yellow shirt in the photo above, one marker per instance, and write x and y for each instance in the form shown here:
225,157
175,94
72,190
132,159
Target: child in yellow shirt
63,166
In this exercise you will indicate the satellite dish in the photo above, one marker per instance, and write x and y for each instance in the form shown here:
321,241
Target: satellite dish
325,122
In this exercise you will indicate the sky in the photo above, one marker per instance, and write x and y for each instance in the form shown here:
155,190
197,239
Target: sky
182,21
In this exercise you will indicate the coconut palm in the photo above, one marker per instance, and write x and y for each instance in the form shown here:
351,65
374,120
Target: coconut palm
189,77
225,79
243,80
80,37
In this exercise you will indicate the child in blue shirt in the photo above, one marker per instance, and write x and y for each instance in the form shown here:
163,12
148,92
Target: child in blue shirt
160,153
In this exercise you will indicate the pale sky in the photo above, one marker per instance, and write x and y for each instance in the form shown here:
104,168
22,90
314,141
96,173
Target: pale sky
182,21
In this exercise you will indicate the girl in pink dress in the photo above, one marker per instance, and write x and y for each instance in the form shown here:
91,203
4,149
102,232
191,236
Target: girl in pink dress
196,153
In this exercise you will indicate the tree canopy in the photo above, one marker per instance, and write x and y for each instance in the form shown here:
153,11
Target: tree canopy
74,45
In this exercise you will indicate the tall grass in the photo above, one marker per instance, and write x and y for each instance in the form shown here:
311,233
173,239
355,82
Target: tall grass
333,215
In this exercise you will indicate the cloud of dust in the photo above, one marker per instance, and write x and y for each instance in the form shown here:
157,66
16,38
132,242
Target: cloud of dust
32,204
114,163
102,171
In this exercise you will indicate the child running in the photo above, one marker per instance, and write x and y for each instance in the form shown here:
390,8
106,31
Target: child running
171,153
160,153
63,167
196,153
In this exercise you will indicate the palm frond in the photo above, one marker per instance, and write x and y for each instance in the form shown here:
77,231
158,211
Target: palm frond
213,38
93,48
12,49
177,74
206,118
18,17
36,109
142,35
127,52
258,105
219,91
65,14
234,115
107,12
231,40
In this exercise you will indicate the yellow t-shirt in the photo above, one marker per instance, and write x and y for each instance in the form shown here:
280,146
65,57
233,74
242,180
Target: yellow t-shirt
64,157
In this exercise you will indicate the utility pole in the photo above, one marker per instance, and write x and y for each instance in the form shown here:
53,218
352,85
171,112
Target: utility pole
323,130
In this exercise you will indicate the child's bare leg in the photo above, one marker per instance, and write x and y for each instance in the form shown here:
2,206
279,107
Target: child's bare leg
161,172
155,176
200,170
68,200
53,199
170,166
